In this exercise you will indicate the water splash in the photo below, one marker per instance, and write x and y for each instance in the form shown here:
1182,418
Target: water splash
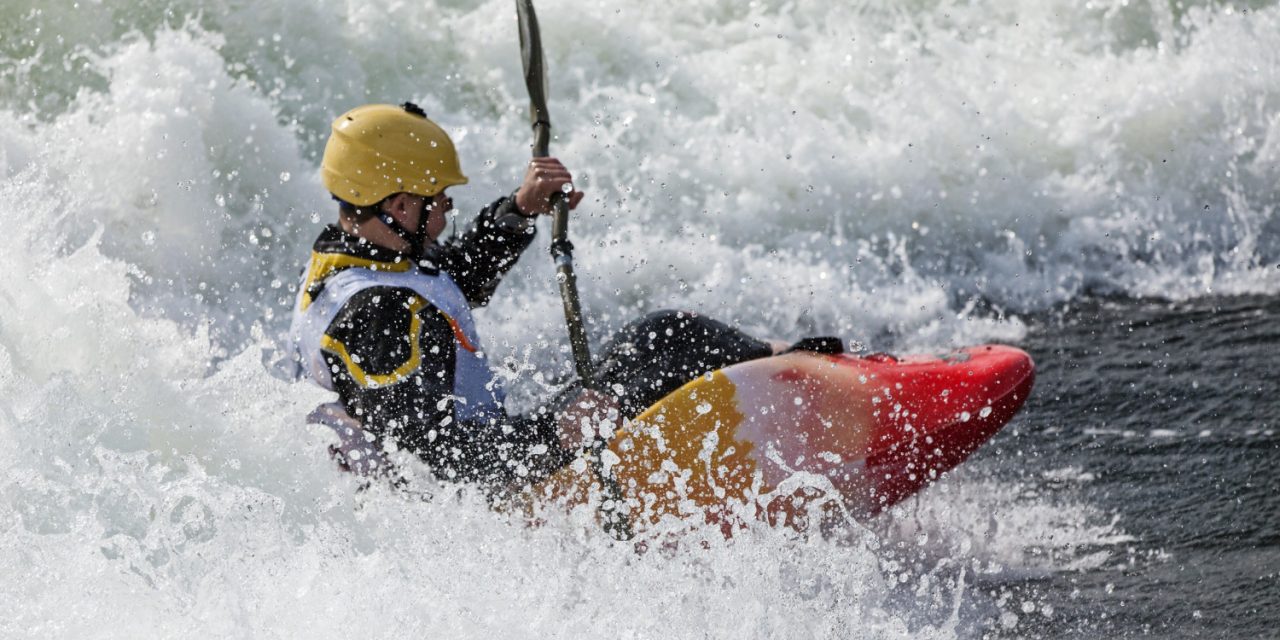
906,177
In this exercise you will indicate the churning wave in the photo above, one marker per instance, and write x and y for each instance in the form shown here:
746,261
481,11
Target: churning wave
905,176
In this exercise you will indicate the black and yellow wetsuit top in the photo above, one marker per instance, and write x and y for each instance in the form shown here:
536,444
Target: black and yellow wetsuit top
391,353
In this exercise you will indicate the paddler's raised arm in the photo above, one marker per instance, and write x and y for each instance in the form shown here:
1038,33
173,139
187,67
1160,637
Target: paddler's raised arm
479,257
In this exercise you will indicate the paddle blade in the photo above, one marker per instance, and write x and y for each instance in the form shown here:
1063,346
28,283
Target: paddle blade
535,76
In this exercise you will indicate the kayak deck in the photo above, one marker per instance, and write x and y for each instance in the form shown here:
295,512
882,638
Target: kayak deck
769,439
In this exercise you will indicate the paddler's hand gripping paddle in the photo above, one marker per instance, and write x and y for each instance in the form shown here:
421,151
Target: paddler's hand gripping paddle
535,78
612,510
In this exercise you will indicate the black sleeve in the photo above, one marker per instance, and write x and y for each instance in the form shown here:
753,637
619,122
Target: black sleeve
401,389
477,259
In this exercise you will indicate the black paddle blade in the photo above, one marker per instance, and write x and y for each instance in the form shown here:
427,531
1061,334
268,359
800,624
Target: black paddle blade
535,76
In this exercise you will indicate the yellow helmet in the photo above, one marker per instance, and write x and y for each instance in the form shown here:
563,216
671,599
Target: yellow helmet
379,149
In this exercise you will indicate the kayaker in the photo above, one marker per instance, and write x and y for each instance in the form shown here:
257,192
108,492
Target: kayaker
383,315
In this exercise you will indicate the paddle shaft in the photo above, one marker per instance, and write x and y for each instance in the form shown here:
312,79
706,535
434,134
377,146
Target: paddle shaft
561,249
612,509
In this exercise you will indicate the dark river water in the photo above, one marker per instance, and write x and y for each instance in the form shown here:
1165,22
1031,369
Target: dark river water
1172,410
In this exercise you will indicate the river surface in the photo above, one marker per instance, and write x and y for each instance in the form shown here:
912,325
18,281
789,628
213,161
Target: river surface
1162,415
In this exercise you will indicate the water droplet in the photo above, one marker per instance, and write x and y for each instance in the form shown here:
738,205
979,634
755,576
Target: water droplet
1008,620
284,176
703,408
567,187
986,411
148,238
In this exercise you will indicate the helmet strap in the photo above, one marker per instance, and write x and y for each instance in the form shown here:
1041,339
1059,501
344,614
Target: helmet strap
417,240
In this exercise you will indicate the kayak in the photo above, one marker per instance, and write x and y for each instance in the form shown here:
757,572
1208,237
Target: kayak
797,436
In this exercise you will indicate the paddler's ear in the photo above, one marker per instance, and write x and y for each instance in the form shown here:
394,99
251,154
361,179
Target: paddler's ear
397,206
393,203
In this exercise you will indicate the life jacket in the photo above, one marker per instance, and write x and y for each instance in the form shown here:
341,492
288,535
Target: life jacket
477,393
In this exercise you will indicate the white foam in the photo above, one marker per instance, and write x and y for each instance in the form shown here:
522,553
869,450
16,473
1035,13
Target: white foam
904,177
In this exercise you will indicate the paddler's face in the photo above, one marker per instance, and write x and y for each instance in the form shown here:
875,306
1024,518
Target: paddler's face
437,214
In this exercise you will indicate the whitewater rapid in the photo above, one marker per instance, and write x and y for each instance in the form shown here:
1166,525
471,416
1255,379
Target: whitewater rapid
910,178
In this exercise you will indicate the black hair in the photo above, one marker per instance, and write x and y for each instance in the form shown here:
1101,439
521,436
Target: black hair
356,213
